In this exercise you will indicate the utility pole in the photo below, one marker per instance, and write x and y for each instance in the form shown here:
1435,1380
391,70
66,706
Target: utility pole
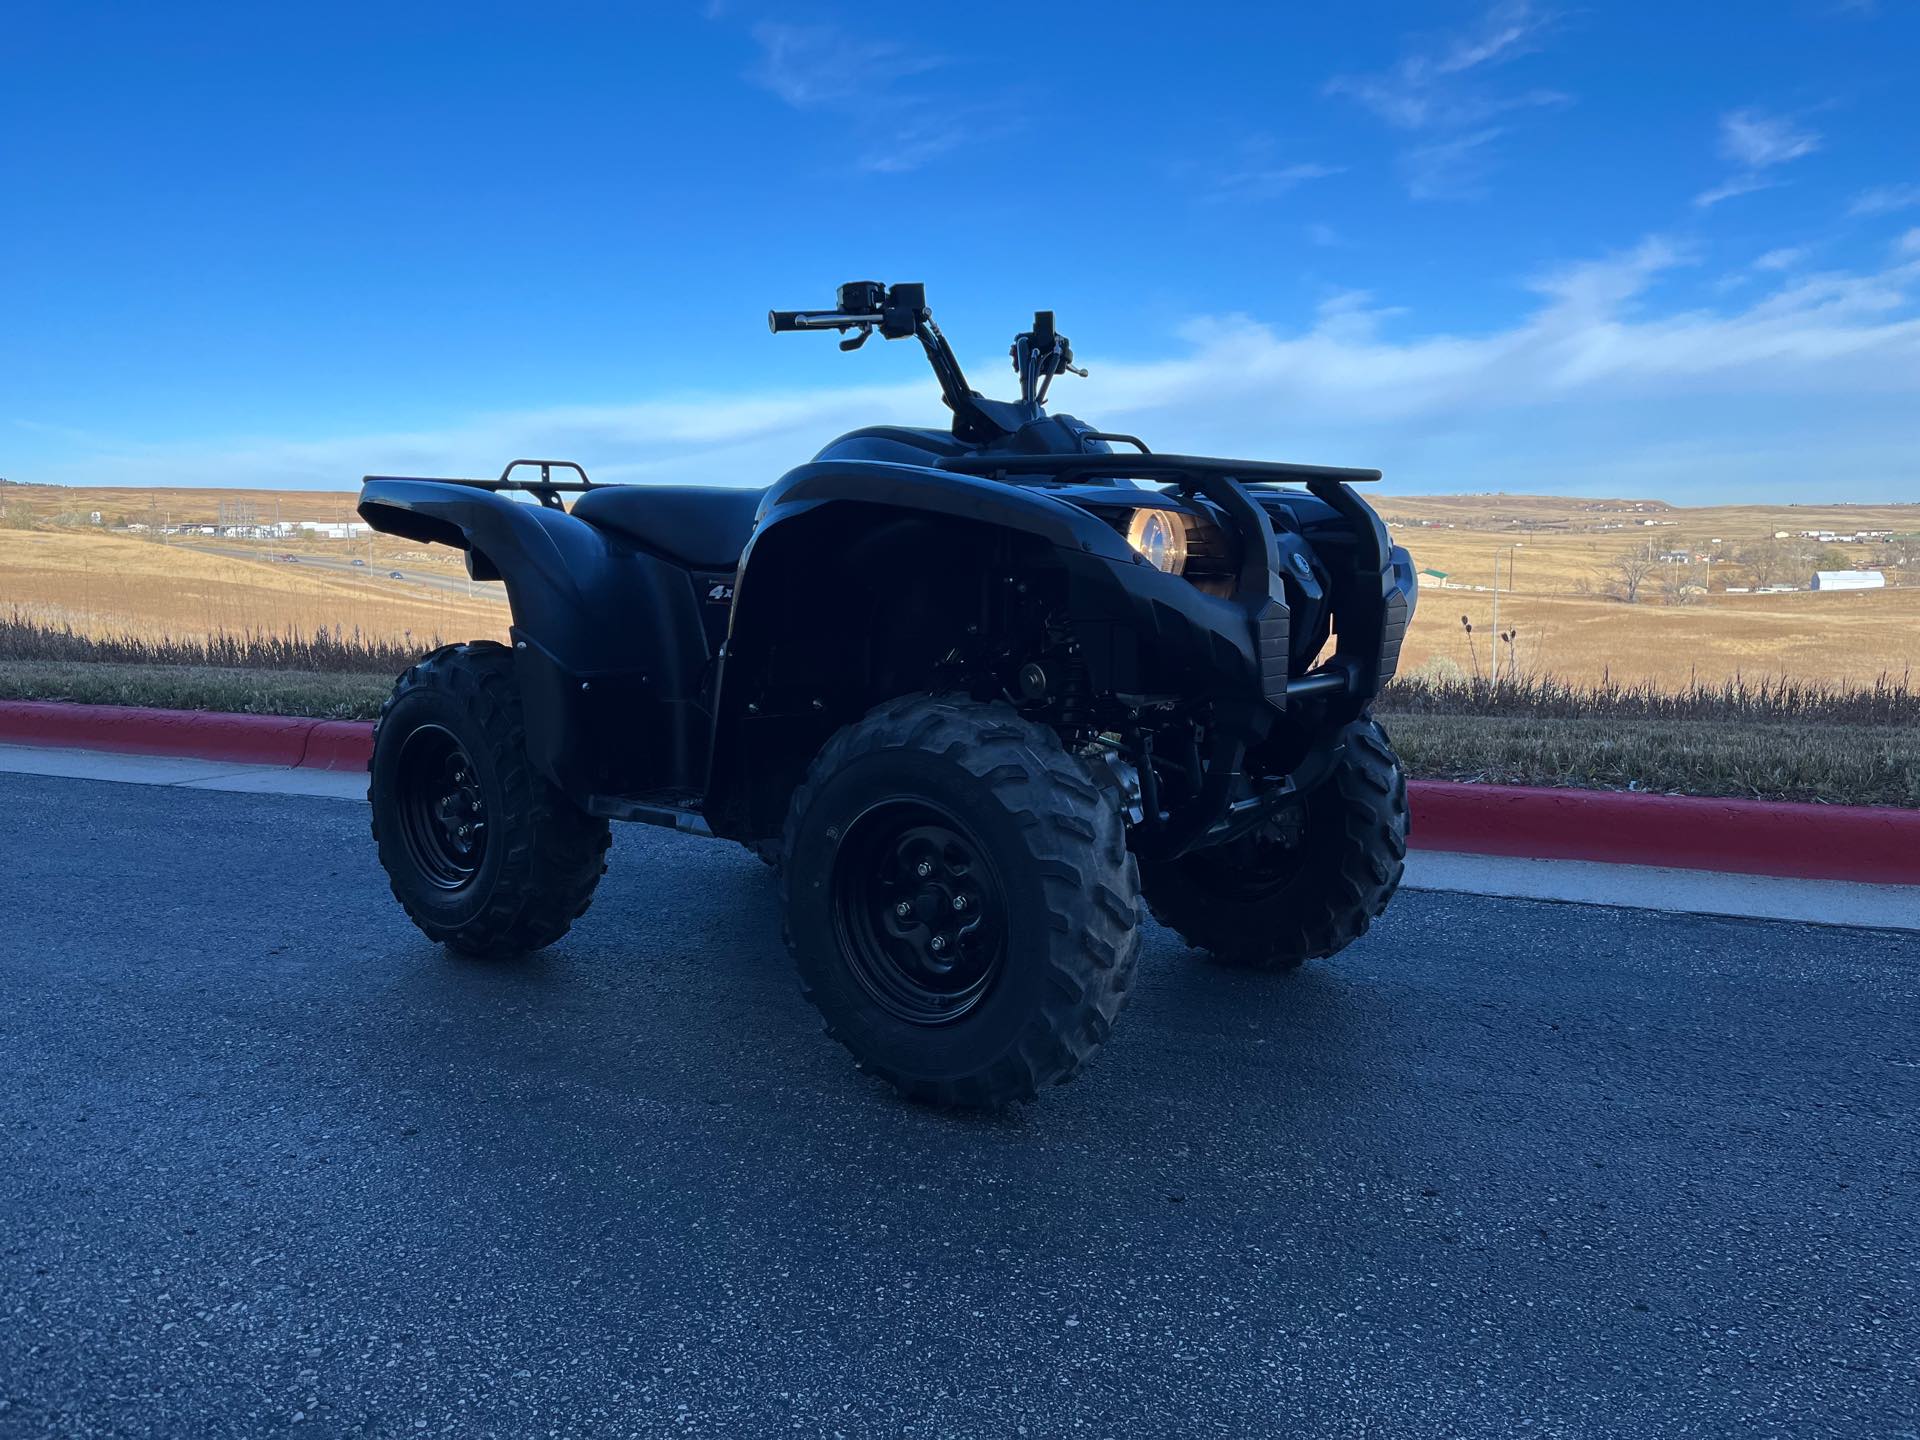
1496,618
1496,603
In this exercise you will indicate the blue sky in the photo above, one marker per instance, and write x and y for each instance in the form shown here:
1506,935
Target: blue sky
1638,249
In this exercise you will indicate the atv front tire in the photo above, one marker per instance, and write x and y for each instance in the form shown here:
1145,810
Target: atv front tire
484,855
1264,903
960,901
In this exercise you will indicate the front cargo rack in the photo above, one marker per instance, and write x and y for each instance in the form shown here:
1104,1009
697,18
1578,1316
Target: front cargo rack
1153,467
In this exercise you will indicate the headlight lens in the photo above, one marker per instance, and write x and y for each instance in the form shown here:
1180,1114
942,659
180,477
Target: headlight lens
1160,536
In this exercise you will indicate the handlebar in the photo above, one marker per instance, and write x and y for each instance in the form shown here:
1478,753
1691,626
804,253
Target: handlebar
900,312
780,321
896,311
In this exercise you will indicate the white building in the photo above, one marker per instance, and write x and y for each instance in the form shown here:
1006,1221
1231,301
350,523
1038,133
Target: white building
1847,580
336,530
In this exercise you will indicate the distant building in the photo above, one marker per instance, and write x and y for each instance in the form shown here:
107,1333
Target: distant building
336,530
93,517
1434,577
1847,580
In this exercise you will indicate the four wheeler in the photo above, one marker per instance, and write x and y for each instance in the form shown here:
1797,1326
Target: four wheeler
981,691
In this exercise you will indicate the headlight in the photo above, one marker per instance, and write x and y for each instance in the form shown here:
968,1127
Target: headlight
1161,538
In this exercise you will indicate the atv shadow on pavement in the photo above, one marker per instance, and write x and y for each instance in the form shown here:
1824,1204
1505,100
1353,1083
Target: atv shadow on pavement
707,1015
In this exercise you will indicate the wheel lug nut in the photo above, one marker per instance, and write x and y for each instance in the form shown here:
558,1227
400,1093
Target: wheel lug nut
938,943
903,909
923,869
959,902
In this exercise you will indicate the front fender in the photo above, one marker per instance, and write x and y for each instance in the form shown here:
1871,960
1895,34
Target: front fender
814,502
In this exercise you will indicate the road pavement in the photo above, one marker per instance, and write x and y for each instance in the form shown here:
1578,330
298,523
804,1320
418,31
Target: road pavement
413,572
270,1163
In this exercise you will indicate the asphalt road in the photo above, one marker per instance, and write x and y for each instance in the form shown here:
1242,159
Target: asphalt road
269,1162
415,572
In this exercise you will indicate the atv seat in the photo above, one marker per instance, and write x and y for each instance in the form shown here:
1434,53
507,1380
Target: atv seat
704,527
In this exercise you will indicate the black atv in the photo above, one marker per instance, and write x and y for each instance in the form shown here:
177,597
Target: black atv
978,692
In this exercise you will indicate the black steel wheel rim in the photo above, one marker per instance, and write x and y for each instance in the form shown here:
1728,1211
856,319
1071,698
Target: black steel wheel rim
1259,865
919,911
442,814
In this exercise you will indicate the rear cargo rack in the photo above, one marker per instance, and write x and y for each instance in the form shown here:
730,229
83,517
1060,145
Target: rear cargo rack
546,488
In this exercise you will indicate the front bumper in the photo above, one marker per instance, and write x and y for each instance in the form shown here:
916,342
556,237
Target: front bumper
1307,566
1166,638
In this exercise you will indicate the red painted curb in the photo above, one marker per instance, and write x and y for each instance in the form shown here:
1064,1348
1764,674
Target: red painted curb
1871,844
247,739
339,745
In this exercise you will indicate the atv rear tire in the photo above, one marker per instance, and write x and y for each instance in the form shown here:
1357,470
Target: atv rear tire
484,855
960,901
1263,905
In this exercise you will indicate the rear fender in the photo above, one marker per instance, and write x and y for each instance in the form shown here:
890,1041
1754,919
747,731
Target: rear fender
610,649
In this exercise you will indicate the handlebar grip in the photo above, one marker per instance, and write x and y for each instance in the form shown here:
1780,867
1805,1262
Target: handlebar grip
781,320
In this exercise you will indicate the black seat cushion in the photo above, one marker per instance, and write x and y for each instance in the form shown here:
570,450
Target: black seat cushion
704,527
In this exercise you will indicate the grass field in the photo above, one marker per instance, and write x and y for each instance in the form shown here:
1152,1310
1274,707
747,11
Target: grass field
1557,560
110,584
1847,636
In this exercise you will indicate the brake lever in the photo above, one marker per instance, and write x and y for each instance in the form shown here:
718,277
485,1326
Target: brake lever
854,342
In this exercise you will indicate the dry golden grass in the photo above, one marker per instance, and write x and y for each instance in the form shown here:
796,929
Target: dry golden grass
1845,636
105,584
1555,557
49,503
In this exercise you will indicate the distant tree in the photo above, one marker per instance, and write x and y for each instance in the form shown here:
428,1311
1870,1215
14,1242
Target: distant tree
1630,570
1769,562
1677,585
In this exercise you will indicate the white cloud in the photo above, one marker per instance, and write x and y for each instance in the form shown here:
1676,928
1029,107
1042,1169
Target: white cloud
1909,243
1269,182
818,66
1785,258
1434,91
1455,168
1731,187
1885,200
824,69
1424,90
1594,379
1756,142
